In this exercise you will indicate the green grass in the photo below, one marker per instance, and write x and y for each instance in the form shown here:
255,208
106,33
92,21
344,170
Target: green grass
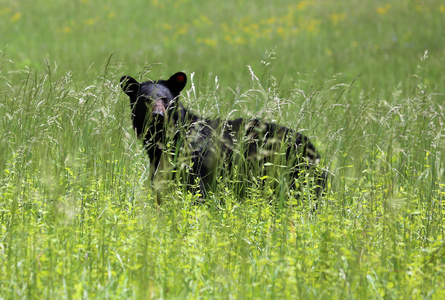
78,218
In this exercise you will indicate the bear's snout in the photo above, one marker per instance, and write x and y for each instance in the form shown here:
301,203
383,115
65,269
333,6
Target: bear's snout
158,108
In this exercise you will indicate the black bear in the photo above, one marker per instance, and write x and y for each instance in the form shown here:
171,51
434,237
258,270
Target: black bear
257,149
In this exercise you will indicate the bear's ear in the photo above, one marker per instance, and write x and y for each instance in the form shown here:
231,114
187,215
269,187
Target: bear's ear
130,85
177,82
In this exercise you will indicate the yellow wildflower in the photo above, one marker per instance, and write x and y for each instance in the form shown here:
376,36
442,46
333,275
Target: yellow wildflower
302,4
270,21
335,18
205,20
383,9
240,40
312,26
90,21
228,38
16,17
210,42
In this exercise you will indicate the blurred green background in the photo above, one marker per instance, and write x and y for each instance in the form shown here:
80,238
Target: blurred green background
380,39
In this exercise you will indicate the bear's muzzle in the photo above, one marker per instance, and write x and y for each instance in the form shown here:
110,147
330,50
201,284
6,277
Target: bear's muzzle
158,108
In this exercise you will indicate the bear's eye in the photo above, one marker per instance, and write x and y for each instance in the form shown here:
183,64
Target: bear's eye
144,99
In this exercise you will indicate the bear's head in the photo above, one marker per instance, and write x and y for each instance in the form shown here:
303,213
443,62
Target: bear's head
152,100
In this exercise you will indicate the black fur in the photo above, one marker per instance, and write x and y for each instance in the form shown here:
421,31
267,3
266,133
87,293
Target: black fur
165,125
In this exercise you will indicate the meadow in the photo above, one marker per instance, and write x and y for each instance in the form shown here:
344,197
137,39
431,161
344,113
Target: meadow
364,80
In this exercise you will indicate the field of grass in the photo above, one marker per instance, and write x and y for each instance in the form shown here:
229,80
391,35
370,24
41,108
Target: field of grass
364,80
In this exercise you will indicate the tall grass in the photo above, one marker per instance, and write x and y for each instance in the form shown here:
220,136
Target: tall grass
78,216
